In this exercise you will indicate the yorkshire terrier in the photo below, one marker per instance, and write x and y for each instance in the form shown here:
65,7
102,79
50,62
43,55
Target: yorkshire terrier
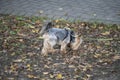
57,36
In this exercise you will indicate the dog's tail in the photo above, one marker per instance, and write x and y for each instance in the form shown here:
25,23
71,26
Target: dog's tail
46,27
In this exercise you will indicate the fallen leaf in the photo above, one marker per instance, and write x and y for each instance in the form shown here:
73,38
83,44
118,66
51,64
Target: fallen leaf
51,76
37,22
98,47
97,55
116,57
59,76
45,73
40,37
106,33
31,26
71,66
107,43
101,27
29,67
17,60
46,66
88,75
31,76
10,78
13,54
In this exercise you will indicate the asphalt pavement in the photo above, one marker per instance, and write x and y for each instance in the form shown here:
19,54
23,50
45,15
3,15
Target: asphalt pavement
107,11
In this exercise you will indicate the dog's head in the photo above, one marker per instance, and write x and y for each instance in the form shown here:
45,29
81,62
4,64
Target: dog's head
46,27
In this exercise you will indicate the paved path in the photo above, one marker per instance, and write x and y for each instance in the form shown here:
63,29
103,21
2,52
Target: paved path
88,10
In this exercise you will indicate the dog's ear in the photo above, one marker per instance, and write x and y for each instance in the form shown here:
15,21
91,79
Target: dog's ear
49,25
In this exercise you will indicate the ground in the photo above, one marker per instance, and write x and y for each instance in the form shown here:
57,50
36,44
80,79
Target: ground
98,57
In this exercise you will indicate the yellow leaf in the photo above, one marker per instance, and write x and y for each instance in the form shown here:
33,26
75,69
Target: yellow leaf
30,76
12,68
40,37
59,76
37,22
28,65
106,33
98,47
31,26
35,31
97,55
56,20
29,69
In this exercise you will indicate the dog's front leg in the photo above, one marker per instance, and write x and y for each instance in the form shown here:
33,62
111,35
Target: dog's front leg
45,49
63,48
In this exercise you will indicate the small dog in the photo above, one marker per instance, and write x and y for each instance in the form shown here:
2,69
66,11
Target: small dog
56,36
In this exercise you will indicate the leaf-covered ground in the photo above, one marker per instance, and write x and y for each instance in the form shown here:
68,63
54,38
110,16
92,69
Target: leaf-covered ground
98,58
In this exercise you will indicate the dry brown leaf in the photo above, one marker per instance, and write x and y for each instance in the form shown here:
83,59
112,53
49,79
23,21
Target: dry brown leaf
116,57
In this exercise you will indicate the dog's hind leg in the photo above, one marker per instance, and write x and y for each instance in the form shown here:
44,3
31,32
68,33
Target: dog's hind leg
76,44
